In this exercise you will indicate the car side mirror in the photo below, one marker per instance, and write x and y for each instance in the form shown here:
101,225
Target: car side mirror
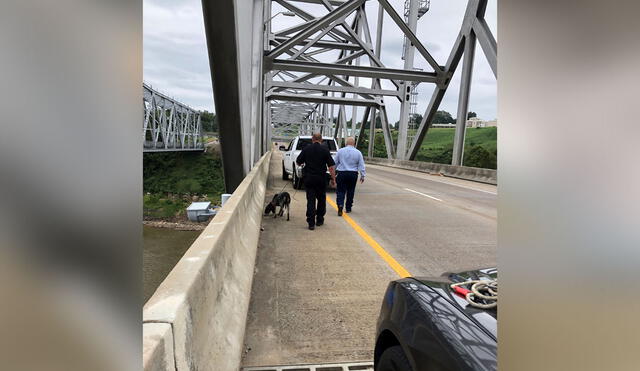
282,148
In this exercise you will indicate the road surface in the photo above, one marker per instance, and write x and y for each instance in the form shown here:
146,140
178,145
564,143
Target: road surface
316,294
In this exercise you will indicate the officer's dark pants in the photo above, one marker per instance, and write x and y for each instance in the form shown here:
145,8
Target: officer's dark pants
316,188
346,184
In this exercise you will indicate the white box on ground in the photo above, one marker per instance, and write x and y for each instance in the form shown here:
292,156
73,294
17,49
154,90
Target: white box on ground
199,211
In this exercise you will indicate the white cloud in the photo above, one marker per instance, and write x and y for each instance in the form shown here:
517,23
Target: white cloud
175,51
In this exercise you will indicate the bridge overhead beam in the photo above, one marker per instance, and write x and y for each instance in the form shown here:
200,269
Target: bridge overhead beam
328,88
321,99
246,56
320,44
350,70
332,2
316,26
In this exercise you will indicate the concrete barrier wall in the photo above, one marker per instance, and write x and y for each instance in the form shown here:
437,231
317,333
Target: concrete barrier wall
475,174
196,318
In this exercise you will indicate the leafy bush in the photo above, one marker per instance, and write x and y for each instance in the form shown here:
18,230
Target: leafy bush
168,175
183,172
477,156
190,186
156,206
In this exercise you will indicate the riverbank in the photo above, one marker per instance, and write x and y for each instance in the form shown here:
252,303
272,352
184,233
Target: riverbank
173,180
178,226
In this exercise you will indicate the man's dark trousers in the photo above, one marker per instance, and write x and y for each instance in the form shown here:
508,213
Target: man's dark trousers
316,188
346,184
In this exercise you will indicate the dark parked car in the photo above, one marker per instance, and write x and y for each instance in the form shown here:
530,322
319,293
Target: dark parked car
425,325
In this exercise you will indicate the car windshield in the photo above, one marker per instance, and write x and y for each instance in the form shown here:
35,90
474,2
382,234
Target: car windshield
303,142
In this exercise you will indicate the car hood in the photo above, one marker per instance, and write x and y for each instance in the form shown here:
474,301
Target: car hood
486,319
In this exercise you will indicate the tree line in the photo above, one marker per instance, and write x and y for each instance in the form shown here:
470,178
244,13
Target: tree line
440,117
209,121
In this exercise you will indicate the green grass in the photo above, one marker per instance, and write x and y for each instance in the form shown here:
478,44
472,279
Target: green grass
480,146
160,206
439,141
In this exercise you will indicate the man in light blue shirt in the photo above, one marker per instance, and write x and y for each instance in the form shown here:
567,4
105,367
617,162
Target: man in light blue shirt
349,162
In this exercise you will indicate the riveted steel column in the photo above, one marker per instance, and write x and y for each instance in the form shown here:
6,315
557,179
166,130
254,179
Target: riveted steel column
372,133
405,108
463,99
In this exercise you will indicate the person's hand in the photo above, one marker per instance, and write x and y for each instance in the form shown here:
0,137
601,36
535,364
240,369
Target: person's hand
332,183
361,180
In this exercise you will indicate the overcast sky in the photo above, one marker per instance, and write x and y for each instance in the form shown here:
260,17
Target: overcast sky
176,61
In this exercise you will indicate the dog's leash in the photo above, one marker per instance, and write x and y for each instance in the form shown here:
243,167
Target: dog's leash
285,186
294,195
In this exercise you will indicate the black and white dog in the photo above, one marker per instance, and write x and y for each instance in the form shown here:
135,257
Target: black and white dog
279,199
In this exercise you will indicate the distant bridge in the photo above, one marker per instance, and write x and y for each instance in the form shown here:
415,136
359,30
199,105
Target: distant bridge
168,124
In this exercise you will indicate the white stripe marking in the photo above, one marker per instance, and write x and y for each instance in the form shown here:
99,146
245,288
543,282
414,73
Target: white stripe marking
422,194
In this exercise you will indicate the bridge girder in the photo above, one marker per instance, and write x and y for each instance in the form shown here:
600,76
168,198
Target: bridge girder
308,74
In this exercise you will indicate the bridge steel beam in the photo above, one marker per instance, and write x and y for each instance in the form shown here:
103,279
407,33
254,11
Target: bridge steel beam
320,99
372,134
247,58
463,99
350,70
473,26
236,72
327,88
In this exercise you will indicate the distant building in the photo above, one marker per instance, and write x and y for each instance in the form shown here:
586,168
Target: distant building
476,122
443,125
473,122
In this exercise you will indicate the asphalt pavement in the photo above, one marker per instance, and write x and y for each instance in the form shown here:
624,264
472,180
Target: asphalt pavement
429,224
316,294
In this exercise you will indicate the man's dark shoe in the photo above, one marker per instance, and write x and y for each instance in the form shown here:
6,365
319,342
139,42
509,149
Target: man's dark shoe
339,210
319,223
311,227
348,211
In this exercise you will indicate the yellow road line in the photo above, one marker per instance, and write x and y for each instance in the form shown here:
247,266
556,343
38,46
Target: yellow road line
375,245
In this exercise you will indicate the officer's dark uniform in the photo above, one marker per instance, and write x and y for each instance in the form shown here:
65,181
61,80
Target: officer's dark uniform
316,158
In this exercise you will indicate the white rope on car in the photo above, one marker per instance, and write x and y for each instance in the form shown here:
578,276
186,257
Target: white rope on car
482,294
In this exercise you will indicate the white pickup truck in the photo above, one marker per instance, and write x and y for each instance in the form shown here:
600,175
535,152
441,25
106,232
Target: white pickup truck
289,166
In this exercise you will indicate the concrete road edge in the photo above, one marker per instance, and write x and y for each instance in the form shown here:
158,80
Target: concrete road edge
476,174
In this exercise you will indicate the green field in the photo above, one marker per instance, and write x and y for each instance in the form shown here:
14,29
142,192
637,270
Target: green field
480,148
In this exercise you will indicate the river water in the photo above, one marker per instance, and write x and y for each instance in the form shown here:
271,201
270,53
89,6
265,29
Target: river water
163,247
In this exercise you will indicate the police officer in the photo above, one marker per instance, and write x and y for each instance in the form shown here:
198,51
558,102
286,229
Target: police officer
316,158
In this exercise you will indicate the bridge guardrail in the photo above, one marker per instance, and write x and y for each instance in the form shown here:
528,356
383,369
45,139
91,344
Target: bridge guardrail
476,174
196,318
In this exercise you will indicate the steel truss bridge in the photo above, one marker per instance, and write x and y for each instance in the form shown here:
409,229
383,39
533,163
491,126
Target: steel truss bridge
272,83
169,125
